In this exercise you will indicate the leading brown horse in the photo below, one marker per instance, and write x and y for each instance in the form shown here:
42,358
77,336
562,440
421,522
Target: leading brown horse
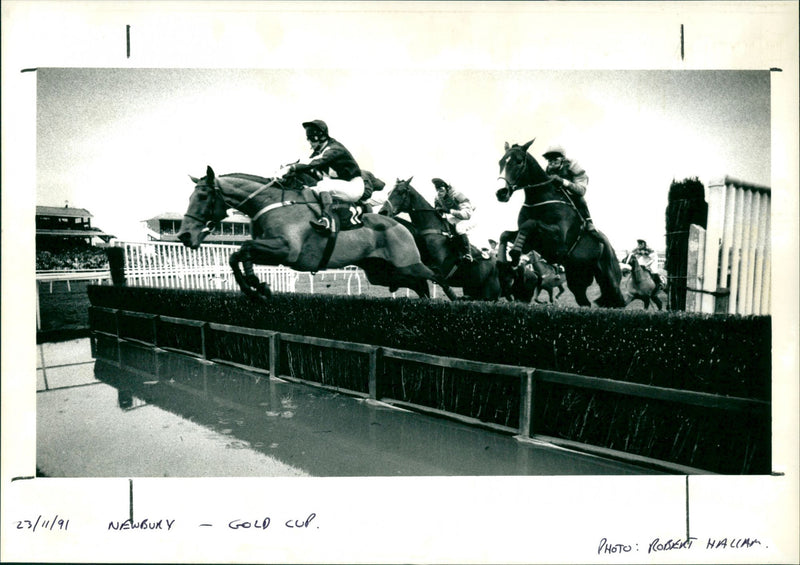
281,209
549,223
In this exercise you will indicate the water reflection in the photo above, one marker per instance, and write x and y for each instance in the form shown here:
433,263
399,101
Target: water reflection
321,432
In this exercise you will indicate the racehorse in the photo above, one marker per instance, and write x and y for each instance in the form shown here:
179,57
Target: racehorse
549,277
479,279
549,223
280,210
517,282
641,285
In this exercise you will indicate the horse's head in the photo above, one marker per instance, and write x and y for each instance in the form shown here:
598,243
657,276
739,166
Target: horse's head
628,264
517,169
206,209
399,199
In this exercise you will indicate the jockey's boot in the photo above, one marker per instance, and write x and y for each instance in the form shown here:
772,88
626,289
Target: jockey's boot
464,247
324,223
588,226
583,211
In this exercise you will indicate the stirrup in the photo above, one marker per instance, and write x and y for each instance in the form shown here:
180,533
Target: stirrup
322,225
467,257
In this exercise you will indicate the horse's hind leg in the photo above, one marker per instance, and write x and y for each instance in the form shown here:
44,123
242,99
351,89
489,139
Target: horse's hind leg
578,281
420,271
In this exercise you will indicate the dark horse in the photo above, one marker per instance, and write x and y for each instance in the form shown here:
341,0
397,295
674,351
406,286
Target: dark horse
641,285
479,278
517,283
280,210
549,223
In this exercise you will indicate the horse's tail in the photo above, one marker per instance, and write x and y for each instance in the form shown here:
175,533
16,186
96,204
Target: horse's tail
608,277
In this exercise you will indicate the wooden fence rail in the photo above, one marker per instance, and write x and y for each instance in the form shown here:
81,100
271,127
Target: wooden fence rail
109,322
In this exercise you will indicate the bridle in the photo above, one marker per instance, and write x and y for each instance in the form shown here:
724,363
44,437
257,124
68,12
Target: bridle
513,187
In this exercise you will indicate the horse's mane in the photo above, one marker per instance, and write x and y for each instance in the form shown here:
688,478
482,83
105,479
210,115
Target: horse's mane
245,176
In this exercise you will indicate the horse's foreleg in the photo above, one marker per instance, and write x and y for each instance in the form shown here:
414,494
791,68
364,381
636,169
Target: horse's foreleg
502,245
240,277
262,252
657,301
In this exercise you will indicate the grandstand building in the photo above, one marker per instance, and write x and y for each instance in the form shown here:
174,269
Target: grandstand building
60,228
235,229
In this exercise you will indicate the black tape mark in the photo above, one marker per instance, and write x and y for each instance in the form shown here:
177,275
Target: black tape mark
22,478
681,42
130,485
31,70
687,506
776,70
128,39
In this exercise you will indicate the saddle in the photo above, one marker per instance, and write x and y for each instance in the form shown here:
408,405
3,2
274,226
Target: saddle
348,215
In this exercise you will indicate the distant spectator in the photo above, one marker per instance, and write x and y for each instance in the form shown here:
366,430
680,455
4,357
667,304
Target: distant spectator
78,258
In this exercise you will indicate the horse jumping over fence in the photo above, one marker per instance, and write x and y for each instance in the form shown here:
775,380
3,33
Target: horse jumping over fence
434,237
549,223
640,285
280,210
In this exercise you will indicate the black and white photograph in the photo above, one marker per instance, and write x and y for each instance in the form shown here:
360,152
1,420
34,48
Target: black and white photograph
490,280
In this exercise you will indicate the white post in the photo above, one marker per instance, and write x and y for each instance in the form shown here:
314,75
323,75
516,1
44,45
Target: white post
716,215
747,255
736,259
727,234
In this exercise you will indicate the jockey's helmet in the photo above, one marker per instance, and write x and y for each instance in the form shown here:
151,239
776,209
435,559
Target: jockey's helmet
554,151
641,242
439,183
316,127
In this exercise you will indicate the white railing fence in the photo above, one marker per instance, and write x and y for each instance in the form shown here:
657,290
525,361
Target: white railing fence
731,257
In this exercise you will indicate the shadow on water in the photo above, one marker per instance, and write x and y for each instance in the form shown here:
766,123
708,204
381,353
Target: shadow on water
319,431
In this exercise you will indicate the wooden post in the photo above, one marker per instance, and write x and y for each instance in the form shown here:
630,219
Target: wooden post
694,264
116,265
375,357
204,340
274,354
526,400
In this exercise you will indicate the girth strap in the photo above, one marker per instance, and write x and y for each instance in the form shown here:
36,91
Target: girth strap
331,243
434,232
275,205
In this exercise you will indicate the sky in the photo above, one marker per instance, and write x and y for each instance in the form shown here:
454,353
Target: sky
122,142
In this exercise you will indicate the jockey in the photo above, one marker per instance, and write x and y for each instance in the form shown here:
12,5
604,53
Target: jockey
573,178
648,260
336,168
456,209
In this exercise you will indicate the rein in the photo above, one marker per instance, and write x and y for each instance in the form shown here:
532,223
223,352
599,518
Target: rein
514,188
263,210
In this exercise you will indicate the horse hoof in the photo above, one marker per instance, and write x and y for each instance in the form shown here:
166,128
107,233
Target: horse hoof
264,290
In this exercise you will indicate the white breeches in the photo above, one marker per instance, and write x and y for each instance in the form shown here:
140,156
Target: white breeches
463,226
350,191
